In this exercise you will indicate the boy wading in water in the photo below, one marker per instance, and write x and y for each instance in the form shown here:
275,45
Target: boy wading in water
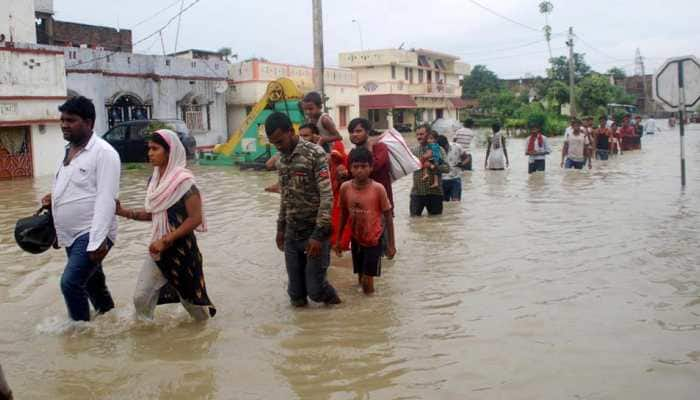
363,202
311,104
304,223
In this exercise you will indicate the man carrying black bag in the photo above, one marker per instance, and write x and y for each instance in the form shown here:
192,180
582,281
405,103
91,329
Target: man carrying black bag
83,206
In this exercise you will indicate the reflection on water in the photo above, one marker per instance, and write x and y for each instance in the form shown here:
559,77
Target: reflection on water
569,284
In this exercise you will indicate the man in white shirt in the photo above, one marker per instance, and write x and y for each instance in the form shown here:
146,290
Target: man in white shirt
576,148
650,126
463,137
82,201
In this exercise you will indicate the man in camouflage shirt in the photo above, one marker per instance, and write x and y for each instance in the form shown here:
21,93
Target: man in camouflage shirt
304,223
423,193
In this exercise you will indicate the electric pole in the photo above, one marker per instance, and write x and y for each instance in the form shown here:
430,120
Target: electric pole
639,70
572,100
319,68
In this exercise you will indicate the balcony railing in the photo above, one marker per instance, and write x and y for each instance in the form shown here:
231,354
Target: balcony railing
415,89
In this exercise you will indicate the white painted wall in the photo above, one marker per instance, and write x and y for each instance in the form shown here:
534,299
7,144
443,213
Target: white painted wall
47,148
17,21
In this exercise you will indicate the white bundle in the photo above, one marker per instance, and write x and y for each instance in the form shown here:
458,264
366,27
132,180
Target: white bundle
401,158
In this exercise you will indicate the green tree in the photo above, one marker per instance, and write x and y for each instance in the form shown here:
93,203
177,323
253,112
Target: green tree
479,80
559,69
557,94
503,103
595,91
617,73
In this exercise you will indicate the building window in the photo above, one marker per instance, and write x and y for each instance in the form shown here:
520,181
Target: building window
373,115
196,117
405,74
410,75
420,76
393,72
343,116
127,108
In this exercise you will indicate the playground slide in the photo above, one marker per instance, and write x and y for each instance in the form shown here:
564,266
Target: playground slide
248,144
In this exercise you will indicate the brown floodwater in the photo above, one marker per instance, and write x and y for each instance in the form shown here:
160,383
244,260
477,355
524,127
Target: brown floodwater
567,285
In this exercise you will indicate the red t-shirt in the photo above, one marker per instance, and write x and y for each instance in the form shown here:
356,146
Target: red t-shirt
627,131
381,169
364,207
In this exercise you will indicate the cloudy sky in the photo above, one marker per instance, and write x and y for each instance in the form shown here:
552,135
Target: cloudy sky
608,32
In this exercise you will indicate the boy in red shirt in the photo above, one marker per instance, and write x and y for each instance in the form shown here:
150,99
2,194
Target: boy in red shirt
363,202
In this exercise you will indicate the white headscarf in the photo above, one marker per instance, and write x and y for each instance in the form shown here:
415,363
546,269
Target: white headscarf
167,188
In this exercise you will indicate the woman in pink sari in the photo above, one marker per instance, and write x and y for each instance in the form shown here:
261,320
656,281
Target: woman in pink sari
173,272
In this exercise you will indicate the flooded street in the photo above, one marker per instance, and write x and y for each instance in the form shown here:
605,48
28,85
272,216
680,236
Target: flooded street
568,285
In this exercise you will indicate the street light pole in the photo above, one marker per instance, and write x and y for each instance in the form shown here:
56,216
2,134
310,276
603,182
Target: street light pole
359,28
572,100
319,68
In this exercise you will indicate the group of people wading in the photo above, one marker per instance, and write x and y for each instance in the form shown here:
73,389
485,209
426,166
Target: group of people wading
330,200
583,141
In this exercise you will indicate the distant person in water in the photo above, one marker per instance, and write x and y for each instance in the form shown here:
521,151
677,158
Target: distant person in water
312,104
496,152
576,147
602,140
365,206
537,147
173,272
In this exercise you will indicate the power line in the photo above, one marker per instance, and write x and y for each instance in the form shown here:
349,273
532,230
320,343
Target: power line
476,3
161,11
597,50
157,32
491,51
515,55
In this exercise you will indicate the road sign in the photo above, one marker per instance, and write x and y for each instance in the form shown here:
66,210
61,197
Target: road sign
677,87
668,87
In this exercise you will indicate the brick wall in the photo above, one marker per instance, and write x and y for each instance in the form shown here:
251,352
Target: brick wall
74,34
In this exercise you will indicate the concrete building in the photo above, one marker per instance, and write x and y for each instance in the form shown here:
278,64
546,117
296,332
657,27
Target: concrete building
197,54
407,87
32,86
248,81
70,34
126,86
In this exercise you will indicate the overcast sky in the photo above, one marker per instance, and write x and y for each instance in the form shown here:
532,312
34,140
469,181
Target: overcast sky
281,31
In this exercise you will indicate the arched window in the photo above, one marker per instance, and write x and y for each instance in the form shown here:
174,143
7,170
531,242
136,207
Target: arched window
127,108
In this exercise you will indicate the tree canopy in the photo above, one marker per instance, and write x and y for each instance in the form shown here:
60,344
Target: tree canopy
479,80
559,70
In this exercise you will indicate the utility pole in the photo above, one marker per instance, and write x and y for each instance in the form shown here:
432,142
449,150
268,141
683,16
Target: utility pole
572,100
639,61
319,68
179,18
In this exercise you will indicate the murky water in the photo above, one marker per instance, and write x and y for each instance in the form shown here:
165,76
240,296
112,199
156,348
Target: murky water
577,285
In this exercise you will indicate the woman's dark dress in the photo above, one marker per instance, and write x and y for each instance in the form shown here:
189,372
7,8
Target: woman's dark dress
181,264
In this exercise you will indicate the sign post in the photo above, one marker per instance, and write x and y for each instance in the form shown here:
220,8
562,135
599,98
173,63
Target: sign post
676,87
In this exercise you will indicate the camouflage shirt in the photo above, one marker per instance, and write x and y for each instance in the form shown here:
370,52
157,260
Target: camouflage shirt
305,185
422,187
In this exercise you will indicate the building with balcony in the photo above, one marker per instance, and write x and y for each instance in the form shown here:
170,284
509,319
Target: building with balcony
407,87
248,82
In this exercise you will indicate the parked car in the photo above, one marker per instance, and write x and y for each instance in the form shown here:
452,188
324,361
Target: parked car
128,138
403,128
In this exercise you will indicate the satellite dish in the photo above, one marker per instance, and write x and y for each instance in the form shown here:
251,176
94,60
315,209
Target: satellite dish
221,87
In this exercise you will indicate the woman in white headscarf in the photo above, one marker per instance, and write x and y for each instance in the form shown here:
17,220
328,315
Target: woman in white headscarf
173,272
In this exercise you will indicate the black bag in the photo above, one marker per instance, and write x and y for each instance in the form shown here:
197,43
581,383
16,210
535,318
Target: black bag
36,234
